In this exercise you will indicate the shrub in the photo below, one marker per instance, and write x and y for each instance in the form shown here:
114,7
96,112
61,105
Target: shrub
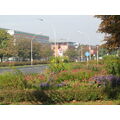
78,94
57,64
51,96
93,68
112,93
75,75
111,80
101,62
35,80
93,62
77,66
88,93
13,81
44,85
112,65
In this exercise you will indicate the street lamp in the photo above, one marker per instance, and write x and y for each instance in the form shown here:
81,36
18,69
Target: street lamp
32,50
97,53
54,34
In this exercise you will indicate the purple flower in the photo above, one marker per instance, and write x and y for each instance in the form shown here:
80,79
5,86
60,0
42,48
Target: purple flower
103,80
60,85
44,85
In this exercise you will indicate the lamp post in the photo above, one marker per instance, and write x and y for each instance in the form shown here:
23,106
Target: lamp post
81,53
31,53
97,53
54,34
32,50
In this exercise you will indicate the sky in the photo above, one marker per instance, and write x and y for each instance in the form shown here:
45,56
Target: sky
73,28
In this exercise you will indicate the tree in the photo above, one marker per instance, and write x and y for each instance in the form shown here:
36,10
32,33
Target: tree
71,53
102,52
110,25
10,50
46,51
24,49
6,45
39,50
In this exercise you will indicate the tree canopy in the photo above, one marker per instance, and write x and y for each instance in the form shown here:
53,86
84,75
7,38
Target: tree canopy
39,50
6,44
71,53
110,25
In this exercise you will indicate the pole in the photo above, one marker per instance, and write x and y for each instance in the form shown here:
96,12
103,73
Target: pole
31,53
32,50
87,60
97,54
54,33
90,51
81,53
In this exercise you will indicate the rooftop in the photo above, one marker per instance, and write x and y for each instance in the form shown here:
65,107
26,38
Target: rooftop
26,33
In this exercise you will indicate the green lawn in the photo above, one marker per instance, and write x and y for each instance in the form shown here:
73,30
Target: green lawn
114,102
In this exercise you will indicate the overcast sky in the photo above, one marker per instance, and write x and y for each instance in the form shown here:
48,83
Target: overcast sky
76,28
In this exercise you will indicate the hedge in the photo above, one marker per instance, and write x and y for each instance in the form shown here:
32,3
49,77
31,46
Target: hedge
50,96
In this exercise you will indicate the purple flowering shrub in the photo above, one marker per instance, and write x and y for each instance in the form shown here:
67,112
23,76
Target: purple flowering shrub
44,85
47,85
60,85
114,81
51,83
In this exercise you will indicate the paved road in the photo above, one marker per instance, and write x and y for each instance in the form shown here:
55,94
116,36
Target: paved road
26,70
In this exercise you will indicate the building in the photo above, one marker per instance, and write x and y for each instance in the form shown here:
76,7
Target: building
20,34
60,48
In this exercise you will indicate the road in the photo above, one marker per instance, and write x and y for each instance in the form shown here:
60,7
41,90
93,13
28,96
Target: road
26,69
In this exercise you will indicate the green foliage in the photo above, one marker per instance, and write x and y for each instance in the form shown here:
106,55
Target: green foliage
46,51
102,52
51,96
71,53
39,50
112,64
14,81
93,67
73,76
101,62
58,96
57,64
74,84
76,65
111,92
4,37
6,44
24,49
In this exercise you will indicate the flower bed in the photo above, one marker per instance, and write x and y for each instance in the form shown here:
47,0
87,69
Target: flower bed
114,81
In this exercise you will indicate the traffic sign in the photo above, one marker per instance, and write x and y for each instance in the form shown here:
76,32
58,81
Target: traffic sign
87,54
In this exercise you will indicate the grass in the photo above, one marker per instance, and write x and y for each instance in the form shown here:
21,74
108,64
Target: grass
114,102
